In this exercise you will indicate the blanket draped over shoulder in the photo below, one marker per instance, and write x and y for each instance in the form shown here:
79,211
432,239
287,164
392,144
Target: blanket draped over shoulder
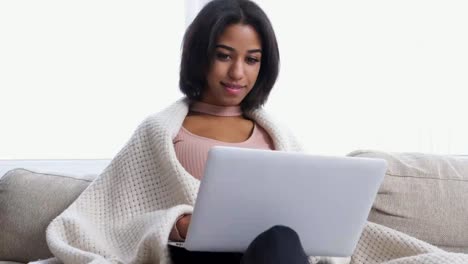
126,214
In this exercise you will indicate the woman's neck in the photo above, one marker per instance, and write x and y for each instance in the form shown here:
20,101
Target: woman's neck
215,110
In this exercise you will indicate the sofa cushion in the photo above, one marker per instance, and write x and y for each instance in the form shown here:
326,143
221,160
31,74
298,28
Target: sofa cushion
28,202
424,196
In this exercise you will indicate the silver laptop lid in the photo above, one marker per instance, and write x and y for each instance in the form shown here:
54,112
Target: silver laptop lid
325,199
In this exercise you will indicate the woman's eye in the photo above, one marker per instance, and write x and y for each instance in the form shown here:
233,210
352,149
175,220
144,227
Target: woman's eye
252,60
222,56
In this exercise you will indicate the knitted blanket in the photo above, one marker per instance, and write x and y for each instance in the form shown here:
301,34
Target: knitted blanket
126,214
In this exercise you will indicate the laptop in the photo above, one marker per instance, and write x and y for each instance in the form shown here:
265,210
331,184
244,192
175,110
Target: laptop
325,199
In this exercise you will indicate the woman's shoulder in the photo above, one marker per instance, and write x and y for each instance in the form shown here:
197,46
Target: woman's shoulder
175,109
169,119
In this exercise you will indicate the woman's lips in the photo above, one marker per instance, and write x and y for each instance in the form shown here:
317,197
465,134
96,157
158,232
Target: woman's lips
233,89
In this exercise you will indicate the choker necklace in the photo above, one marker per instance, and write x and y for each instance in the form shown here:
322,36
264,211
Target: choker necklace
216,110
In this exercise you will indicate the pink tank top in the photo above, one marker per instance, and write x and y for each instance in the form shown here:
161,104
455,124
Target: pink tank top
192,150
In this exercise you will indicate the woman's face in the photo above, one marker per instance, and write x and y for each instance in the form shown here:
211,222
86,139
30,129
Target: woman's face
235,66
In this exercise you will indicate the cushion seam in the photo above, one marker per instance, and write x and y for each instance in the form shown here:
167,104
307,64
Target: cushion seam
41,173
420,177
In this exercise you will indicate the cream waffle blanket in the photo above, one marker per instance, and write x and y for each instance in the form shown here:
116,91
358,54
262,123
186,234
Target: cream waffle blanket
126,214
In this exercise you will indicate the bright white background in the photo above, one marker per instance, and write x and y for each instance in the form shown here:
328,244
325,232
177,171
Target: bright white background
77,77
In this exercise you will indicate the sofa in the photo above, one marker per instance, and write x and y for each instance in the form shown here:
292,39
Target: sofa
422,195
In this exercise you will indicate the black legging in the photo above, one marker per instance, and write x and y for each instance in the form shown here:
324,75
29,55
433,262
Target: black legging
278,244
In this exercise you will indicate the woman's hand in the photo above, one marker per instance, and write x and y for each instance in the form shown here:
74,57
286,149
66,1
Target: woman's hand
183,224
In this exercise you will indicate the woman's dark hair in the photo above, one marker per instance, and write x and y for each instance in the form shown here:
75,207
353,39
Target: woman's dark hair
200,43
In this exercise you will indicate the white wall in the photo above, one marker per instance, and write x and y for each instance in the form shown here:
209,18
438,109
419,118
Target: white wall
387,75
76,78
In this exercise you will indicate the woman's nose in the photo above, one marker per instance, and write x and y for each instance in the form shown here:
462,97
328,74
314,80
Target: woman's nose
236,71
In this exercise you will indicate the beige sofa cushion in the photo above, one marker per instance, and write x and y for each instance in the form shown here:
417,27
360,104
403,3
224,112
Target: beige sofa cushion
425,196
28,202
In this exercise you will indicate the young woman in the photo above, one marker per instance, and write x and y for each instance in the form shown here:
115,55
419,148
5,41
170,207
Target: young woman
229,65
230,62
